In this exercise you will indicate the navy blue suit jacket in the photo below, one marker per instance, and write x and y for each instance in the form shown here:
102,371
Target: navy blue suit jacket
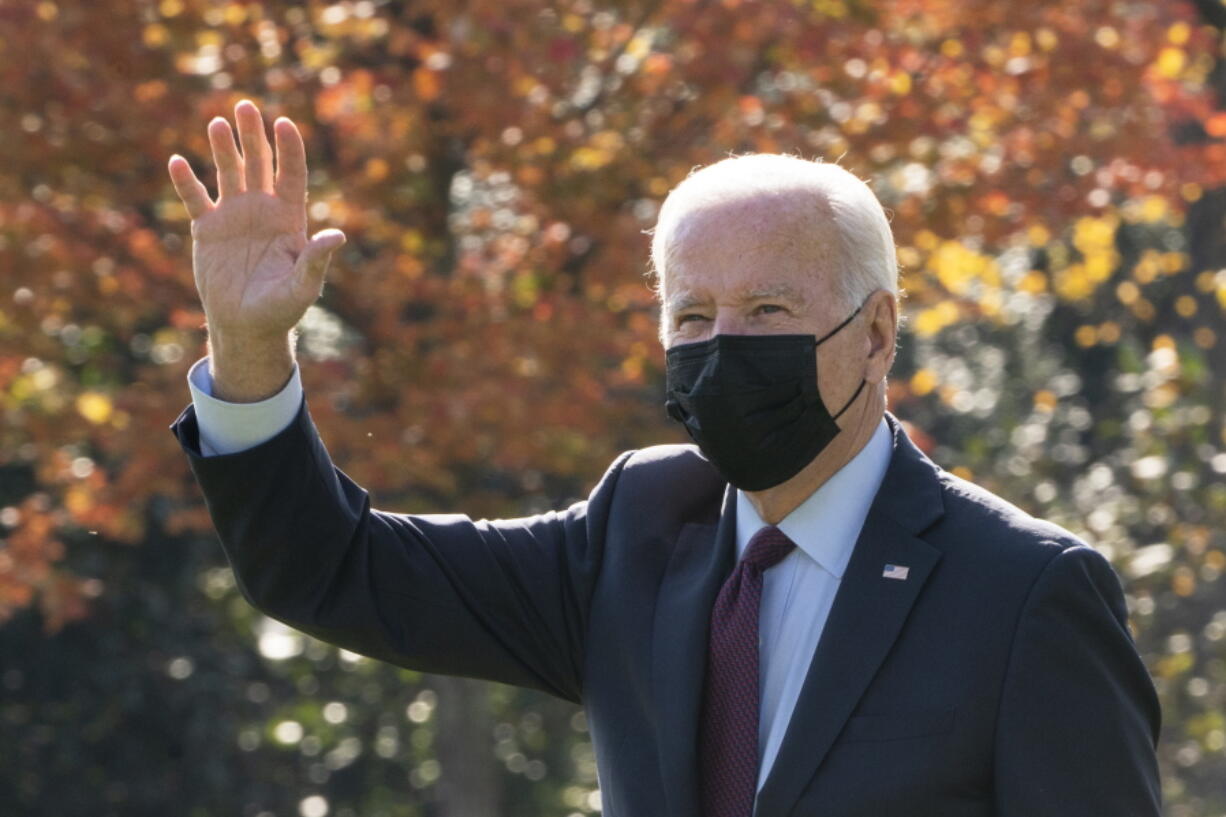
998,680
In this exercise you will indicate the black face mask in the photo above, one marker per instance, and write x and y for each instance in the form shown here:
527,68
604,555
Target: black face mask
752,405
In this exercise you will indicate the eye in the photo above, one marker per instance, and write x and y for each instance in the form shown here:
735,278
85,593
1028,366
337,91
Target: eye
767,309
684,318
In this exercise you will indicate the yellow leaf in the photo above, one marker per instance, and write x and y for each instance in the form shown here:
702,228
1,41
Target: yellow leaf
155,35
235,14
640,46
1086,335
933,320
1165,342
376,169
411,242
1072,283
1033,283
586,158
524,85
632,368
1098,266
926,240
78,499
94,406
1091,234
1154,208
830,8
1170,62
608,140
923,382
957,266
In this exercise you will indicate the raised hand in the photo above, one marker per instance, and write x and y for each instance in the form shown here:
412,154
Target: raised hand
255,269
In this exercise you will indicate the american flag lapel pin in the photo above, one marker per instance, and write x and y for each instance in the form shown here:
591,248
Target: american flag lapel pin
895,572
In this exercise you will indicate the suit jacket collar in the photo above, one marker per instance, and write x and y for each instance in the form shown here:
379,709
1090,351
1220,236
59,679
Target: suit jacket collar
866,617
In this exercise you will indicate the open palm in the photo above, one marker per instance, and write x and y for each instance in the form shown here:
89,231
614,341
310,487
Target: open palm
255,269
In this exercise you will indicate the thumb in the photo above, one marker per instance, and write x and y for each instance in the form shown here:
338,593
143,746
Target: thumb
312,263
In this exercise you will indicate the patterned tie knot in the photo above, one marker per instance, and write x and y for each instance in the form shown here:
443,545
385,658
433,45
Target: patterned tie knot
767,547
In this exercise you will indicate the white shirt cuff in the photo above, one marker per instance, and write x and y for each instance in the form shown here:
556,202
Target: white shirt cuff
225,427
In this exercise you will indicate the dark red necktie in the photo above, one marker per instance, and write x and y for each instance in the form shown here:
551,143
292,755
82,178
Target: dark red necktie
728,730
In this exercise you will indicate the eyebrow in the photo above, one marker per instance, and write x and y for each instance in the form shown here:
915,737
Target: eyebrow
686,300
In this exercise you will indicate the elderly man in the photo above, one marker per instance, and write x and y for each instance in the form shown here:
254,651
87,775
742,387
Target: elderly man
800,615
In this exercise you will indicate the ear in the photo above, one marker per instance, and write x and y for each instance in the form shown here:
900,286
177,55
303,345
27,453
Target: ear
881,321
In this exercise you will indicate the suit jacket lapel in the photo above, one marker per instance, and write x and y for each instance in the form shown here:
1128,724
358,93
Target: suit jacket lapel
703,558
867,615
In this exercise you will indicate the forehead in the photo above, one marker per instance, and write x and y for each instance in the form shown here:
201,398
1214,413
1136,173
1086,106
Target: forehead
782,246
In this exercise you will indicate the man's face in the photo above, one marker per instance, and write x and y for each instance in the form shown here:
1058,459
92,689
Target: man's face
762,267
751,267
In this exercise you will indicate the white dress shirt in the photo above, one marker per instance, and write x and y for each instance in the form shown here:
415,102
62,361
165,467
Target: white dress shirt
797,593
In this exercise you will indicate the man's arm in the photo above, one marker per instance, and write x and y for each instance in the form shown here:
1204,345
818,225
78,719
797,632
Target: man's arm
503,600
1079,717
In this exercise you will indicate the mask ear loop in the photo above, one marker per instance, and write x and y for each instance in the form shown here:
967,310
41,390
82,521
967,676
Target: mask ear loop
863,383
835,330
847,405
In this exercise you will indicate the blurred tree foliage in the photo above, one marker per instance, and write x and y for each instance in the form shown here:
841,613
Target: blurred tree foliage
1057,177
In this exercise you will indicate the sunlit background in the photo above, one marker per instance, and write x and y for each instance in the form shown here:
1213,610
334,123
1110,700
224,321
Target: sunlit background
1056,176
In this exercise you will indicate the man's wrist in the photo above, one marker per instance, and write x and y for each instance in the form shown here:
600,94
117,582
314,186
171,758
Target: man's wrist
249,368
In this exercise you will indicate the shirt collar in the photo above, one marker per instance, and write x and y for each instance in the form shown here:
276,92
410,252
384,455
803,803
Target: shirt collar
827,524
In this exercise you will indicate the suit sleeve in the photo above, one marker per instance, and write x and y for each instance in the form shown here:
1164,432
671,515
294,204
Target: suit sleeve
503,600
1079,717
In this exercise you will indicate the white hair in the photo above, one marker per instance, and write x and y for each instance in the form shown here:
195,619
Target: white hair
867,260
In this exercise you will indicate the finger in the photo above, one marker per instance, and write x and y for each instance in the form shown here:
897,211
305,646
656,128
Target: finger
190,189
312,263
291,161
225,156
257,153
